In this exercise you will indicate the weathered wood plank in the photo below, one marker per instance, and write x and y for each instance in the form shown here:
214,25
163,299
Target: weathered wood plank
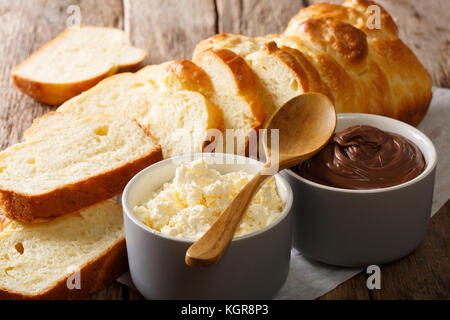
24,27
353,289
255,17
170,29
133,294
424,26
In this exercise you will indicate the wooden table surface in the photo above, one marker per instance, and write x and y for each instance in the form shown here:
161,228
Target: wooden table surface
170,29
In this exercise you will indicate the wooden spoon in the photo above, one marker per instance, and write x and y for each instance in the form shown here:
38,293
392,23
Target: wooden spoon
305,124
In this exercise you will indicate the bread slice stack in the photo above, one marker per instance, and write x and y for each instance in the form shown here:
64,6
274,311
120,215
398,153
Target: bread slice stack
179,119
54,220
224,78
73,62
67,163
68,257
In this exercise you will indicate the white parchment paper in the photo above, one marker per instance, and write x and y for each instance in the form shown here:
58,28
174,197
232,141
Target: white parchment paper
436,126
309,279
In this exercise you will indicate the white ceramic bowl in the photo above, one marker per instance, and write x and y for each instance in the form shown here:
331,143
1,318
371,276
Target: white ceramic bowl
254,266
363,227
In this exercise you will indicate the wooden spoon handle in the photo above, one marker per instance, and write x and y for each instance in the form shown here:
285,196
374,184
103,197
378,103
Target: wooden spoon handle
209,248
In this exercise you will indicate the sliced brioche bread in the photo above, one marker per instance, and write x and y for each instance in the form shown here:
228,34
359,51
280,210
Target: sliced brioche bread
67,163
179,75
282,73
235,92
73,62
179,119
68,257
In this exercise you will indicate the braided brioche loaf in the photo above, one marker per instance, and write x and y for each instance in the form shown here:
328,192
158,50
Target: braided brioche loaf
325,48
367,70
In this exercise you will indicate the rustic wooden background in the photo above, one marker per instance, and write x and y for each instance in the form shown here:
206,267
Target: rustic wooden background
170,29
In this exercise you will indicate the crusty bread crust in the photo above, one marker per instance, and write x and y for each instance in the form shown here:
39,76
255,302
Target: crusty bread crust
70,198
314,81
95,275
191,75
57,93
394,79
245,81
181,73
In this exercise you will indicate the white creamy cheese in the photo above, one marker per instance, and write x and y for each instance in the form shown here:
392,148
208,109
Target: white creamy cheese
187,206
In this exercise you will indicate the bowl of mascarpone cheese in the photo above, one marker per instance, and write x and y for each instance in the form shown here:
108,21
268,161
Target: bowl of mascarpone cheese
169,205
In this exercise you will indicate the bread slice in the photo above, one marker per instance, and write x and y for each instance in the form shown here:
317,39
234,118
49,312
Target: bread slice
37,260
282,73
235,92
73,62
179,119
67,163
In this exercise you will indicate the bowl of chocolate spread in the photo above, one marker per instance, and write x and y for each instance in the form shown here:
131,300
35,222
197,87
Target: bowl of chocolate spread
366,197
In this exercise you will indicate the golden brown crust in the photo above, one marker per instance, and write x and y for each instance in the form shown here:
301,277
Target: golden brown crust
352,12
210,43
344,88
300,68
312,77
95,275
194,78
374,73
56,93
305,73
183,74
409,81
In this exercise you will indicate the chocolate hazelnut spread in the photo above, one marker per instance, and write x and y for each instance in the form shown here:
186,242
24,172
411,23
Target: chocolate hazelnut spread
364,157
